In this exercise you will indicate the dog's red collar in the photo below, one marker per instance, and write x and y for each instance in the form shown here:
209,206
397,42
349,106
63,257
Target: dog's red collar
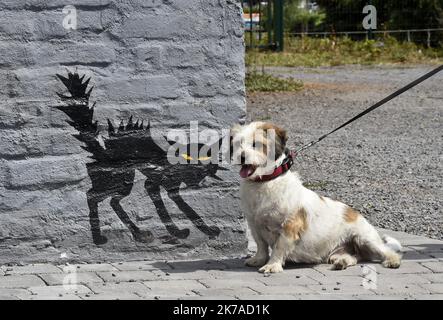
281,169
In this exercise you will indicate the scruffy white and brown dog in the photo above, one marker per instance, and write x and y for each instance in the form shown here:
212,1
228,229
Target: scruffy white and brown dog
295,222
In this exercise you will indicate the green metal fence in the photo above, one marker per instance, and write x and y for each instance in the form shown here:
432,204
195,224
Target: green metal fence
263,24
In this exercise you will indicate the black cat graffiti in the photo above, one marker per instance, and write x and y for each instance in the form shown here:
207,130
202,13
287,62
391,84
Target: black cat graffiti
128,148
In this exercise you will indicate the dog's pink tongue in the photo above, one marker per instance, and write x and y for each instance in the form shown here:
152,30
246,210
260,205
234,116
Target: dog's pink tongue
246,171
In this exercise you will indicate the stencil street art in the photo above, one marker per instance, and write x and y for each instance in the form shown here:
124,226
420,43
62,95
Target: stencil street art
125,149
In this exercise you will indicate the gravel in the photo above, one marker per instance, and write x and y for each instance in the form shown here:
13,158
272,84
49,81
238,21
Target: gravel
388,163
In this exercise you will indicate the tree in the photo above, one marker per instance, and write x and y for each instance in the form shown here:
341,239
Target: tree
415,14
298,19
346,15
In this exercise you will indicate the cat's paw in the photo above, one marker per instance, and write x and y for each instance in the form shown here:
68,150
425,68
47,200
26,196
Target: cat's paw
99,240
213,232
271,268
181,234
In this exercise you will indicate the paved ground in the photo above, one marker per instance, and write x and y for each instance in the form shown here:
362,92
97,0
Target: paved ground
420,277
388,165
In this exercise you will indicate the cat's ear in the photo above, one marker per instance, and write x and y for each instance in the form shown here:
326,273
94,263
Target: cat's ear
171,142
218,143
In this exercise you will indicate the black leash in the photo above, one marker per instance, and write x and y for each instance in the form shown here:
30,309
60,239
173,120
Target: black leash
373,107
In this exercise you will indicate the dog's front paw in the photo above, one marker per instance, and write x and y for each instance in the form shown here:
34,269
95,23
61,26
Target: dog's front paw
271,268
255,261
393,261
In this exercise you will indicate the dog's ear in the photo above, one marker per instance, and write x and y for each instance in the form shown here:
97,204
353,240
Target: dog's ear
279,132
281,137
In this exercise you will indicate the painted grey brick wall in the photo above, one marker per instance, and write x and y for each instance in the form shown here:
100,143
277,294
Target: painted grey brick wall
167,61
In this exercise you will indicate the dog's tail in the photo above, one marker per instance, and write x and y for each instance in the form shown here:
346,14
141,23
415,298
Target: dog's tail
392,243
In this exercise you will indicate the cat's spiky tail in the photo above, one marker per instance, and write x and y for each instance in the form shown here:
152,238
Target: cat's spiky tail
76,107
77,103
76,86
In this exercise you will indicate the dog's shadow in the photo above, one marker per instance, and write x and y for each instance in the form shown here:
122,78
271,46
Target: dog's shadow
418,252
229,265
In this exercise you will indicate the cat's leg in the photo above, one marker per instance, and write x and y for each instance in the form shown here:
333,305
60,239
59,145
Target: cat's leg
153,191
125,181
94,220
139,235
211,231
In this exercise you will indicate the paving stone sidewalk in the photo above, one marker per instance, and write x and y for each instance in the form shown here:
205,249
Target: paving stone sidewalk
419,277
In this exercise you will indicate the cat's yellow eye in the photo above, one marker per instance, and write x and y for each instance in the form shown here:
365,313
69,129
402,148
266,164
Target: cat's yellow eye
186,157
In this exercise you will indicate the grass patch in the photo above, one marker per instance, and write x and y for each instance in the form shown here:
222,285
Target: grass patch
312,52
262,82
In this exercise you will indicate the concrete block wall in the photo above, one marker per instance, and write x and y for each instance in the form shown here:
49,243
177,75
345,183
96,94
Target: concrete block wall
166,61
